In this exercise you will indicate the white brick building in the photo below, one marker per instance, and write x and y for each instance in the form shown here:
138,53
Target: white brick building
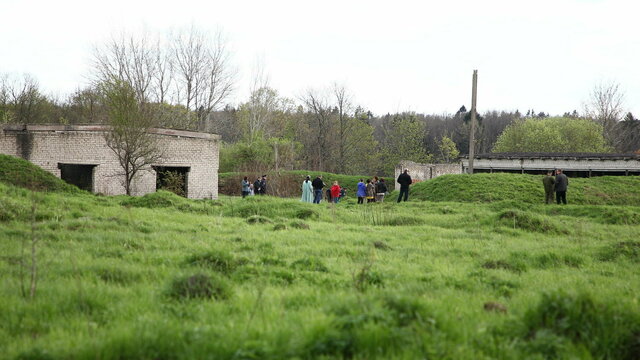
79,154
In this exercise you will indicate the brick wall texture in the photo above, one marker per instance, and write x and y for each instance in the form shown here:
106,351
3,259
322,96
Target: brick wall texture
422,172
47,146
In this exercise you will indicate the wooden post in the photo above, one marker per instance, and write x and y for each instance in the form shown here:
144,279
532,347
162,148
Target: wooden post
472,136
275,150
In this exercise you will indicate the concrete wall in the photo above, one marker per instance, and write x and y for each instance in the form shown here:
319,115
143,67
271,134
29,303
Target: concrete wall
567,164
49,145
422,172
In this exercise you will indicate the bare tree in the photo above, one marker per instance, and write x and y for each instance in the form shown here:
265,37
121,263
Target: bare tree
263,102
129,137
320,124
163,74
21,100
130,59
203,73
85,106
5,111
606,106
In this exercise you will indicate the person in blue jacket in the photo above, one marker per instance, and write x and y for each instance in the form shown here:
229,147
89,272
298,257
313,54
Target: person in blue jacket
362,192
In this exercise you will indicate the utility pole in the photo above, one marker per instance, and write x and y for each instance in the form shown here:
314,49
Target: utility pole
472,136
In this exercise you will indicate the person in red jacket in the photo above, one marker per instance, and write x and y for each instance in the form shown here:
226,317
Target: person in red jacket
335,192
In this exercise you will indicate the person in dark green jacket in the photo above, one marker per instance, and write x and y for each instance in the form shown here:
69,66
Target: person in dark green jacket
549,187
562,182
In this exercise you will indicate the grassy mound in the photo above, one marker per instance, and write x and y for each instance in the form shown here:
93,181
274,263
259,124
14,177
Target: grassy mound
604,190
22,173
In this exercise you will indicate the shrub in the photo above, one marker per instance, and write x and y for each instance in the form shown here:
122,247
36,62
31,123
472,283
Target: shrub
381,245
512,265
219,261
365,277
299,225
258,219
307,214
310,264
199,286
174,182
279,226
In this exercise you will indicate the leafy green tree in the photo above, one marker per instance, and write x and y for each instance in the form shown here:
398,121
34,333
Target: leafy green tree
552,135
129,137
404,141
448,149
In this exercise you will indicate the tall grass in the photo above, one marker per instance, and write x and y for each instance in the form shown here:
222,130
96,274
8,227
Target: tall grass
166,277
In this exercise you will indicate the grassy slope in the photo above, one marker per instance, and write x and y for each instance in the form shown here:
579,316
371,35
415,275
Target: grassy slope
22,173
605,190
372,281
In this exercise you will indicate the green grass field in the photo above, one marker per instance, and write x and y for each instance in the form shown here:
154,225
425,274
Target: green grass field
163,277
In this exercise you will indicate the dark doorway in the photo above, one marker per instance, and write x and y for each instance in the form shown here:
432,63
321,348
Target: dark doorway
172,178
78,175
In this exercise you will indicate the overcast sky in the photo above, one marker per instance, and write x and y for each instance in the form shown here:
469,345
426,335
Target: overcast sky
392,55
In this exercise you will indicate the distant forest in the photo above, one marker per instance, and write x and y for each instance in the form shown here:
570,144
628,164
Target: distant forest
184,82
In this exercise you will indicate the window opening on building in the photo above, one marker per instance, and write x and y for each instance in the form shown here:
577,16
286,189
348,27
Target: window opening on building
80,175
172,178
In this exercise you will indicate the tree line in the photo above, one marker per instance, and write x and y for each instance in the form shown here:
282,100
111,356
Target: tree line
183,80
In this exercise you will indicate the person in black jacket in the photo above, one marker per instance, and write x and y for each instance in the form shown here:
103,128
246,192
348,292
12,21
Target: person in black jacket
317,185
256,186
404,180
381,190
263,185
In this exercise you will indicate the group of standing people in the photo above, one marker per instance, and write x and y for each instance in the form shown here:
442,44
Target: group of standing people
258,187
312,191
559,185
374,190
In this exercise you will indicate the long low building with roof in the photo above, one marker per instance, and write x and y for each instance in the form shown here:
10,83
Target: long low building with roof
573,164
79,155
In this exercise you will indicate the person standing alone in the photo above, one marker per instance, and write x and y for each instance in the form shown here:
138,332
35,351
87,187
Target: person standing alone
405,181
562,182
548,181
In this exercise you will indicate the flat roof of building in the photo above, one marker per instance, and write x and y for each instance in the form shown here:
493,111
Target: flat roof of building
102,128
557,156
